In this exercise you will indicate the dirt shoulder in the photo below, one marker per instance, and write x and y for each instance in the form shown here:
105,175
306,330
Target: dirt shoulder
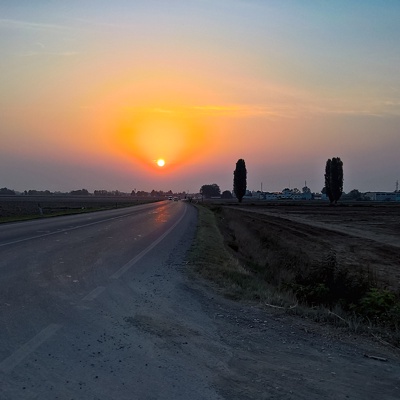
271,355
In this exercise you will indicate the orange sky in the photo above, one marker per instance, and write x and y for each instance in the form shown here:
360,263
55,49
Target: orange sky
94,101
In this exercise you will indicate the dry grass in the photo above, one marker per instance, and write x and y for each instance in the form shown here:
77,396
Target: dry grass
212,260
248,263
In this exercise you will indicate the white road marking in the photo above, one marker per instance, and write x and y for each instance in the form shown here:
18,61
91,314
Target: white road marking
134,260
14,359
94,293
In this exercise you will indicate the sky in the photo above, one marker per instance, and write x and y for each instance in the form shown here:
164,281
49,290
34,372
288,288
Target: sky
94,92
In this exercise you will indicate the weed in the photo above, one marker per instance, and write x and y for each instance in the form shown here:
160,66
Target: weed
381,306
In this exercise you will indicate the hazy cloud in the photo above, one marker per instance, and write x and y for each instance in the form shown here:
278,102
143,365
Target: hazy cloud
17,24
234,110
49,53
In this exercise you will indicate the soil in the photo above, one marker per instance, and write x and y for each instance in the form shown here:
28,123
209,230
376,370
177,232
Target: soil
270,355
360,235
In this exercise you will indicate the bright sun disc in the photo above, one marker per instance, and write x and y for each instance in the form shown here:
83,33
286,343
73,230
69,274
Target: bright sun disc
160,162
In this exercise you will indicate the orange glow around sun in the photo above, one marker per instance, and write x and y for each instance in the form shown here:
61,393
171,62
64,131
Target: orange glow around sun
145,134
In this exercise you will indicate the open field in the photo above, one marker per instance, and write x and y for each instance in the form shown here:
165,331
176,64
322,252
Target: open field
14,208
345,259
366,235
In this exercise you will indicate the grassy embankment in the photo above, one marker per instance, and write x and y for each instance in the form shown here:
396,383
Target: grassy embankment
212,260
289,281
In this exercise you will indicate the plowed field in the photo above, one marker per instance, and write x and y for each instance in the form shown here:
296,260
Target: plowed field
365,235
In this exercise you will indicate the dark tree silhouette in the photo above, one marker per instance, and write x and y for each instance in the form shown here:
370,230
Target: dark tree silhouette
5,191
334,179
80,192
355,194
226,194
240,179
210,190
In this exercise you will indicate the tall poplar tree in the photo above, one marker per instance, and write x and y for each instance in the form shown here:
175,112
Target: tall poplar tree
334,179
240,179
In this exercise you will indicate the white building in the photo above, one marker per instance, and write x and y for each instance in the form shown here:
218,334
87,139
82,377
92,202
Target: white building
383,196
286,194
271,196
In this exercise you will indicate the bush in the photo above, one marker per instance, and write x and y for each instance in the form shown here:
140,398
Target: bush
379,305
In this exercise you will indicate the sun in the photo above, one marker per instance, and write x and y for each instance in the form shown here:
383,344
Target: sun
160,162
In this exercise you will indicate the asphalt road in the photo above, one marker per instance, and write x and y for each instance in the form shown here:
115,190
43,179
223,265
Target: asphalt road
70,293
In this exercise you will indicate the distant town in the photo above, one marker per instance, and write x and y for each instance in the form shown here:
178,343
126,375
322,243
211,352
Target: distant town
304,194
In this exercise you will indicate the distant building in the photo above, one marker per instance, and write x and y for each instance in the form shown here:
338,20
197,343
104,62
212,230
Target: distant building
383,196
286,194
248,194
271,196
320,196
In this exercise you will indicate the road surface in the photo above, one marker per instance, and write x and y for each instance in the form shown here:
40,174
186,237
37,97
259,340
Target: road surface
75,295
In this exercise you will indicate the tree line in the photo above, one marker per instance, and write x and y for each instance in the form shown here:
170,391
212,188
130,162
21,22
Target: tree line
333,182
84,192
